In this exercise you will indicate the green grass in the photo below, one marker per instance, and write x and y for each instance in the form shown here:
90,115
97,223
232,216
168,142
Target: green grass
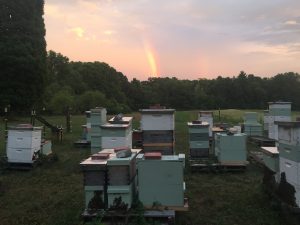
53,192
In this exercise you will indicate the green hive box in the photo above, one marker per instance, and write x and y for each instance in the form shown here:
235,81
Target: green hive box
271,158
121,178
198,139
98,116
160,181
253,129
231,149
250,117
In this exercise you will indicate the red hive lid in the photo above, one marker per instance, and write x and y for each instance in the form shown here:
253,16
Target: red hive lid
100,156
152,155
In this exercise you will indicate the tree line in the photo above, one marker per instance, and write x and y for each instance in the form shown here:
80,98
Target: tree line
86,85
31,78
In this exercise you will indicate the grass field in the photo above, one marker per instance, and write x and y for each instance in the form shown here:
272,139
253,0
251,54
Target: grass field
52,194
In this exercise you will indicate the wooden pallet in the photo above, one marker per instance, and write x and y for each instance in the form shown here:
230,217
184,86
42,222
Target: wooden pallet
82,144
210,166
164,217
21,166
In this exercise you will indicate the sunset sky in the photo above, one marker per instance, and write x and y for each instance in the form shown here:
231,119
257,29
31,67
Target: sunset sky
187,39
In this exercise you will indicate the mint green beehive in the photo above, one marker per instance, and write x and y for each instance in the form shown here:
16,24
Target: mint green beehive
160,181
231,149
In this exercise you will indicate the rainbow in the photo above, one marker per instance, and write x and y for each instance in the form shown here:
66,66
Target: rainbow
151,60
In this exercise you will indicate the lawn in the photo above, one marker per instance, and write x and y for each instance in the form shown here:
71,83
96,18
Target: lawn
53,192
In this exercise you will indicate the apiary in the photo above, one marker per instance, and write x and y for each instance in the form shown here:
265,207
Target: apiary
157,127
198,139
108,175
97,118
231,148
160,180
251,127
23,143
207,116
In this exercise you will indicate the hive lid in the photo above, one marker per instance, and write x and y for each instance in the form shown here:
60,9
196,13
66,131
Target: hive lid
152,155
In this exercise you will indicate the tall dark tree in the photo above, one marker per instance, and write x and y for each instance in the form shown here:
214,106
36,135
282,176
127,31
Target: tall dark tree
22,53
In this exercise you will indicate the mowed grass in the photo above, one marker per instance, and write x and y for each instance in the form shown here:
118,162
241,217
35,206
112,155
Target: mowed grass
53,192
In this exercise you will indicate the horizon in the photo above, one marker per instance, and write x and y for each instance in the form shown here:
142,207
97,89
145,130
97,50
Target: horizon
191,40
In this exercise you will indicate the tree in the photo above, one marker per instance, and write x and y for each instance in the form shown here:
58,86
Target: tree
22,53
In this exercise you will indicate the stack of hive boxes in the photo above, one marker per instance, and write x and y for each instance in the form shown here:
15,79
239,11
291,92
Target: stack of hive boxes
158,130
87,127
160,180
230,149
251,127
266,120
198,139
289,154
117,133
207,116
271,161
109,175
278,111
98,118
23,144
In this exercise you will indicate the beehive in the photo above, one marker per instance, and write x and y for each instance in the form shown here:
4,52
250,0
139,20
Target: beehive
278,111
231,148
198,139
116,135
266,120
98,118
271,158
160,179
207,116
23,143
289,150
158,130
88,126
107,177
251,127
122,178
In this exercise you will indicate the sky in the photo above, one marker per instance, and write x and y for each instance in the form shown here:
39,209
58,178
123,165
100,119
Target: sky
188,39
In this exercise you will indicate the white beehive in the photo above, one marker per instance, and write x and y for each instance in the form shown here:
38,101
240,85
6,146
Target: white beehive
157,119
207,116
23,144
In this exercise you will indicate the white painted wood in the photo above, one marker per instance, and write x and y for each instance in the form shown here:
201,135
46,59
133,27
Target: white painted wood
22,145
157,122
289,135
273,131
286,105
209,120
116,142
291,170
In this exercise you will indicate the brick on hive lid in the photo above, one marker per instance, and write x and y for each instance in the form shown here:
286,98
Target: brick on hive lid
100,156
196,122
152,155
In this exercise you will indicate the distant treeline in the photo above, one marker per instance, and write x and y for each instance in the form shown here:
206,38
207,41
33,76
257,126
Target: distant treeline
82,86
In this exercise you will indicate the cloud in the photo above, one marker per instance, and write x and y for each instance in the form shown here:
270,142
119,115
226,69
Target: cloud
78,31
291,22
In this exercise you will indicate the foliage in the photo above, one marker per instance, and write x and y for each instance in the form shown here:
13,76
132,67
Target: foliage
22,53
